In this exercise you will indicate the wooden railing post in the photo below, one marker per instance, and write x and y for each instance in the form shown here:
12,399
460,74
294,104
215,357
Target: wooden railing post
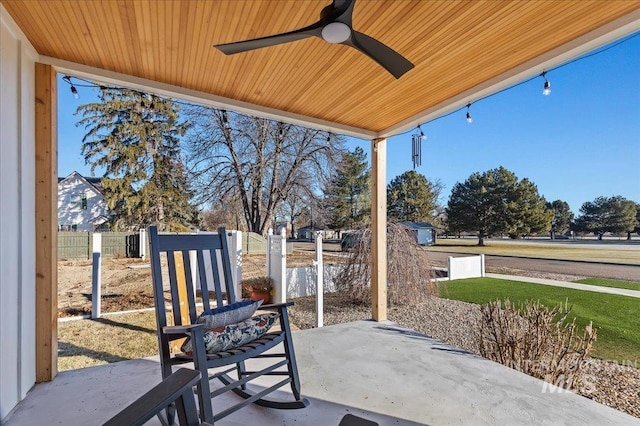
46,309
379,229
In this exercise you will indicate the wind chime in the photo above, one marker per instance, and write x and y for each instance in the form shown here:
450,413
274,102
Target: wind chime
416,149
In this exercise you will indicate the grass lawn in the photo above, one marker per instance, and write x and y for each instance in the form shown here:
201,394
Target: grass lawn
617,318
86,343
629,285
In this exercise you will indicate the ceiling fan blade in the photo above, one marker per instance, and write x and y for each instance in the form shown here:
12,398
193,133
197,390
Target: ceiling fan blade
390,60
257,43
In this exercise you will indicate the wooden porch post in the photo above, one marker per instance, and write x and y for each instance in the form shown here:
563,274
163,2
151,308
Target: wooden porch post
46,309
379,229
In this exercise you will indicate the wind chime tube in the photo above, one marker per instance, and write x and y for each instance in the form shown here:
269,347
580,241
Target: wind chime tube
413,151
416,150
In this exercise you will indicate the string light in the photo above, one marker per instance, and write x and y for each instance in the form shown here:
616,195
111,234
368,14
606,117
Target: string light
74,91
546,88
547,85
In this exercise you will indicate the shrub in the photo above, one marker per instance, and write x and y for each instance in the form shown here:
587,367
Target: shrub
259,284
410,277
536,340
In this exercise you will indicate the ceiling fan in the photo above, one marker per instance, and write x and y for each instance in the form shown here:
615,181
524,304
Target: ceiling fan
334,26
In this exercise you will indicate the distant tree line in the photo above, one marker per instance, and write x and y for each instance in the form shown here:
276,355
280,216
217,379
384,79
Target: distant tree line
497,203
250,173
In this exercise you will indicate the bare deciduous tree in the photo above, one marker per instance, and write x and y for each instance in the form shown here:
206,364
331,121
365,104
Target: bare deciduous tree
228,214
259,161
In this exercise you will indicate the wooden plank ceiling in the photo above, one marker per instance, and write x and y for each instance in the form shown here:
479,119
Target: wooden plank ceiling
455,46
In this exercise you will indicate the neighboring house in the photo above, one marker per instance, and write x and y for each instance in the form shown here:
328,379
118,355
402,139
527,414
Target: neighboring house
423,232
279,226
81,204
308,233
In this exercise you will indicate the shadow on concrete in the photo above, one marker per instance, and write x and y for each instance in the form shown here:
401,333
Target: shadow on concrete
437,345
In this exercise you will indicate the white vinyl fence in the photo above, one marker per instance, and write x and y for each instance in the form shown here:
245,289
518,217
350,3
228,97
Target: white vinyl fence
465,267
277,264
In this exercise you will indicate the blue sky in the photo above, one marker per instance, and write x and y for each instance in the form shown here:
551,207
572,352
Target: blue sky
580,142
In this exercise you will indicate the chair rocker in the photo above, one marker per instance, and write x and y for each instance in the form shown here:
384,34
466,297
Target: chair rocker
174,284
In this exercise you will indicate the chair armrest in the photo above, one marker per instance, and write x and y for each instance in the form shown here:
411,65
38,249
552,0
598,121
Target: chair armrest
181,329
155,400
278,306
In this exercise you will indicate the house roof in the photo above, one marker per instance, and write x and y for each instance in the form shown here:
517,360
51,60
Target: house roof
95,182
418,225
462,50
312,228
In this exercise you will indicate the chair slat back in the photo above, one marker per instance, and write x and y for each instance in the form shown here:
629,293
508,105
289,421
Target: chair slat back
184,260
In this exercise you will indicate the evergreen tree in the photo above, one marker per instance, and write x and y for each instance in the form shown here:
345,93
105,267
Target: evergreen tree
348,202
135,138
614,214
623,216
562,216
495,202
412,198
530,214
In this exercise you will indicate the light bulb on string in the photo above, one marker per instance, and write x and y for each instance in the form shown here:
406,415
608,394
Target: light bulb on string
469,118
547,85
73,89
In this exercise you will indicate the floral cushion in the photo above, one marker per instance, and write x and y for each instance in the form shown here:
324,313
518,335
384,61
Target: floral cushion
234,335
229,314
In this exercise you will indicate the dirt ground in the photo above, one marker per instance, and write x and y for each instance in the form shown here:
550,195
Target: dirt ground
126,283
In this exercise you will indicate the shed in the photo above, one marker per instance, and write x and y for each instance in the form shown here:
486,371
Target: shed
423,232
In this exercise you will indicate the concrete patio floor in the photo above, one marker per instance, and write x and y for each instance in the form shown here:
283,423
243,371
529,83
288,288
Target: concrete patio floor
377,371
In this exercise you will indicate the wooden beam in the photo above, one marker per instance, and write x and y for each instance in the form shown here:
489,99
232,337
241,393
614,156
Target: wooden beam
46,308
203,98
379,229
